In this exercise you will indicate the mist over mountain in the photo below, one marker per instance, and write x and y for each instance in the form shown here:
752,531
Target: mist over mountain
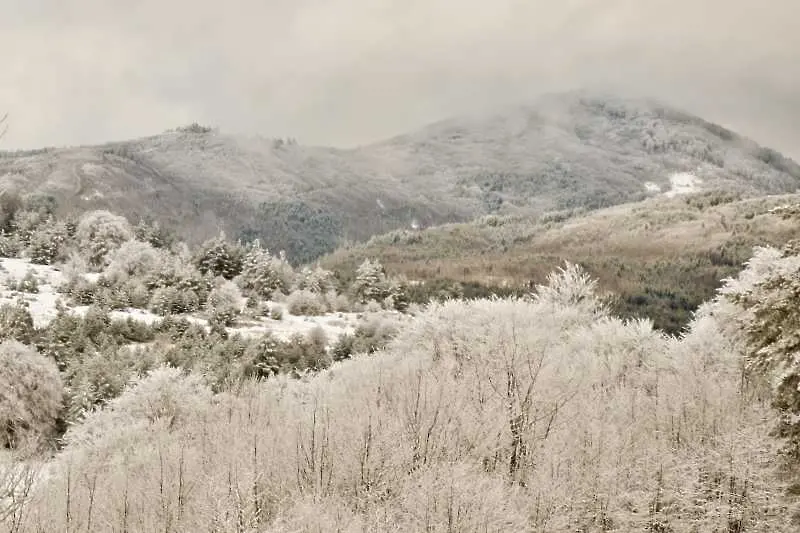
562,151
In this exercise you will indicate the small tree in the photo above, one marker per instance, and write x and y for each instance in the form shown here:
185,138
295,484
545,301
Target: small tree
225,303
370,282
47,243
219,257
262,273
772,333
31,397
316,280
16,322
99,233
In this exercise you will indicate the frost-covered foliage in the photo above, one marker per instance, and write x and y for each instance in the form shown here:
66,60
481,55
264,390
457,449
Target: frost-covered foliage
219,257
370,282
47,243
165,395
372,285
99,233
570,285
153,233
16,322
263,274
316,280
31,397
761,309
306,302
136,259
488,415
225,303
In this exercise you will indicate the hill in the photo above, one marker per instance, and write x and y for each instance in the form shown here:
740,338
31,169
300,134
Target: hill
661,257
563,151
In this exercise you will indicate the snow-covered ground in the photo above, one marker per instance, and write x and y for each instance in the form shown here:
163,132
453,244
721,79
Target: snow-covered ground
683,183
649,186
42,306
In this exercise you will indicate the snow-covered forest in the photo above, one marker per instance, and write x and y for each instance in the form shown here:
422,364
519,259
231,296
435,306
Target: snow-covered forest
147,386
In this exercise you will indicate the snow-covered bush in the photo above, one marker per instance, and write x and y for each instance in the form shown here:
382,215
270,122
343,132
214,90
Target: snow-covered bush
225,303
26,223
16,322
99,233
316,280
29,283
31,396
47,243
172,300
135,259
9,245
305,302
164,395
570,285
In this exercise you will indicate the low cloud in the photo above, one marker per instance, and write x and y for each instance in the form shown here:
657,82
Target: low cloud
344,72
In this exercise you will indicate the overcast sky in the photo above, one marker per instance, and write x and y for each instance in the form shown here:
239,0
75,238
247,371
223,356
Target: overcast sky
343,72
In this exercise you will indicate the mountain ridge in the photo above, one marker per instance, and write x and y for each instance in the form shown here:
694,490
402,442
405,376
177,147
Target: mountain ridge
563,151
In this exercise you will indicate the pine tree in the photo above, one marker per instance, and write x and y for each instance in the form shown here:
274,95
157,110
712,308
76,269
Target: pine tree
262,273
220,258
370,282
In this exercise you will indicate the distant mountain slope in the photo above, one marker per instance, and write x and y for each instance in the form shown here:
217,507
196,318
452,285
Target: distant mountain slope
661,257
563,151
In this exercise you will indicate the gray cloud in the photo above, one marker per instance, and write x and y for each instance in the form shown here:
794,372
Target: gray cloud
351,71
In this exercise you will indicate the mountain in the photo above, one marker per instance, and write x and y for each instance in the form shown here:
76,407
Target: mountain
661,257
564,151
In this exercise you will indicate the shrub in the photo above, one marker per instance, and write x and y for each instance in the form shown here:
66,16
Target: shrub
81,290
343,348
29,283
31,397
99,233
304,302
9,245
164,395
373,335
16,322
225,303
135,259
262,357
171,300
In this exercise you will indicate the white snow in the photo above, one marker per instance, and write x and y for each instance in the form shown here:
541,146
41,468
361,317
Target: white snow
649,186
683,183
41,305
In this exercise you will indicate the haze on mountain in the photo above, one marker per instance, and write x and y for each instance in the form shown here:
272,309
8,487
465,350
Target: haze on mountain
564,151
347,72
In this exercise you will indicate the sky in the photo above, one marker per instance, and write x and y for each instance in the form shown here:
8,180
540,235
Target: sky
349,72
